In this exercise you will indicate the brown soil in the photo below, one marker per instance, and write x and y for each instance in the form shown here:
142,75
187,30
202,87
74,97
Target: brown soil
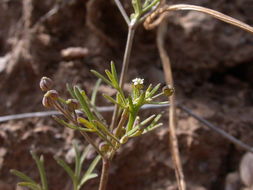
213,77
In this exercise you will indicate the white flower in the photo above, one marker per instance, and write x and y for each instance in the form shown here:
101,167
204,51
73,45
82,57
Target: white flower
138,81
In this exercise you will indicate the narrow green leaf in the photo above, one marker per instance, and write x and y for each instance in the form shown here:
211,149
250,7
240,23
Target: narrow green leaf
121,98
86,123
134,4
78,165
92,126
94,92
154,90
146,3
138,6
150,6
110,76
90,170
66,168
71,91
87,178
64,123
131,105
152,128
30,185
137,133
22,176
147,120
101,77
105,130
85,153
114,72
141,99
112,100
154,122
41,168
159,103
83,103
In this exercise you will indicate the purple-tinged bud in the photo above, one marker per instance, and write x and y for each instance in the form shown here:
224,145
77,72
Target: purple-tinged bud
104,147
46,84
47,102
168,90
53,94
73,104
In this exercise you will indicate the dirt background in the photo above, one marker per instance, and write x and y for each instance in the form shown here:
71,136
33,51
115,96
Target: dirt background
212,64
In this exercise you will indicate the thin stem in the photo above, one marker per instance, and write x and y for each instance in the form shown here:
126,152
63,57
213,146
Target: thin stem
172,109
130,37
105,174
87,138
122,11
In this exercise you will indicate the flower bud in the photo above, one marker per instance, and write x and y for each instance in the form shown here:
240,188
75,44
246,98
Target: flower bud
73,104
46,84
168,90
53,94
124,139
47,102
103,147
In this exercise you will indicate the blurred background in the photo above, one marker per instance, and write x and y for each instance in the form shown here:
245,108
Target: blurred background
212,67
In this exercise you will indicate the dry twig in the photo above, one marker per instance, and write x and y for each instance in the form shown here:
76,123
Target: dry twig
172,110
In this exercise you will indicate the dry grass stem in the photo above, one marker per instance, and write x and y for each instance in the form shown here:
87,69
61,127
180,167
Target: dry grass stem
157,16
172,109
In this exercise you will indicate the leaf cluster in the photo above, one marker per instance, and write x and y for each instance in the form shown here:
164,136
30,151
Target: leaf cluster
140,8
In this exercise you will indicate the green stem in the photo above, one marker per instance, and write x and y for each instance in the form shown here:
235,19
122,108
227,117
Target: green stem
130,37
131,120
75,185
105,174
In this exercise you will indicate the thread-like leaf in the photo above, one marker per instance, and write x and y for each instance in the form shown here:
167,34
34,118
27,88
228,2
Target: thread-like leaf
154,90
65,166
78,165
141,100
85,153
105,130
71,91
110,76
41,168
64,123
94,92
114,72
83,103
91,168
86,123
101,77
22,176
152,128
112,100
159,103
30,185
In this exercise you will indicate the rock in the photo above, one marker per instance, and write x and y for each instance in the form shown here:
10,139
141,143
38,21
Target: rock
246,169
74,53
232,181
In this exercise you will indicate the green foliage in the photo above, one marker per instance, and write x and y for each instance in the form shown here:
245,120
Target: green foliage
142,8
76,177
30,183
91,121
